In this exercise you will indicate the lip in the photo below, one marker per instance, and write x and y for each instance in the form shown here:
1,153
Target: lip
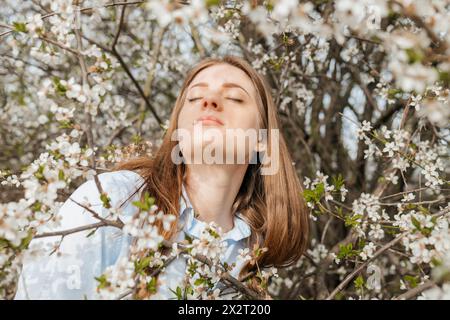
210,120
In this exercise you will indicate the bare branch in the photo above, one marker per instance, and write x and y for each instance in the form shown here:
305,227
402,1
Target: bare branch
66,232
128,72
415,291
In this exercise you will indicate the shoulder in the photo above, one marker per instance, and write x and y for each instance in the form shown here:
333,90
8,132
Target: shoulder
122,180
126,178
118,185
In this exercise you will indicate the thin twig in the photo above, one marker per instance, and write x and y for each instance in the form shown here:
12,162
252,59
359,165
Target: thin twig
415,291
128,72
66,232
118,224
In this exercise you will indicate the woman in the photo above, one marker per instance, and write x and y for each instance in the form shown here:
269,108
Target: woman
250,204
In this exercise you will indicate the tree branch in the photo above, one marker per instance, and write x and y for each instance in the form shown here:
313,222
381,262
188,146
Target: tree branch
415,291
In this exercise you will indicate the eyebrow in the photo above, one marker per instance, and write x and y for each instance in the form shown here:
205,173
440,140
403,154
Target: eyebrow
225,85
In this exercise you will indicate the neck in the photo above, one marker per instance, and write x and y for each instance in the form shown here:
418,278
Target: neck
212,190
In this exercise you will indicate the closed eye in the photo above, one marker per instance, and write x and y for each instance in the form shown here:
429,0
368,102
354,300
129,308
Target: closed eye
237,100
233,99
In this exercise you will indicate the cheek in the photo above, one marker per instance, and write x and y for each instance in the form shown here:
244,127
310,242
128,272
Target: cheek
244,119
185,119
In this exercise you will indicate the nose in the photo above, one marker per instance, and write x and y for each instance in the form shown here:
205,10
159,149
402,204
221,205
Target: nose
211,102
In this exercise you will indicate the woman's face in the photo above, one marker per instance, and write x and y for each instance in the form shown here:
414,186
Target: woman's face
219,100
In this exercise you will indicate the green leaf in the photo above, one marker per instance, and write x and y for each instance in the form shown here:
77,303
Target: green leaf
361,243
142,264
189,290
192,268
269,5
107,60
424,210
179,293
211,3
151,285
359,282
346,251
136,139
416,223
414,55
338,181
39,174
65,124
412,280
309,195
339,296
103,282
20,27
4,243
137,204
91,233
352,221
276,64
320,189
213,233
37,206
59,88
105,200
146,203
188,238
26,241
392,92
143,115
444,76
339,211
315,194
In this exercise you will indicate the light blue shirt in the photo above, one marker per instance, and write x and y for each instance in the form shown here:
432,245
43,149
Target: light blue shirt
70,274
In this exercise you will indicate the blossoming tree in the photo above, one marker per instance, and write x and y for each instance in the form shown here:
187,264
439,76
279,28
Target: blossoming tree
362,90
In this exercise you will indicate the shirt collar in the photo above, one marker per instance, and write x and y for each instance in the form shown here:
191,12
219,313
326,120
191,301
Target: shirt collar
194,227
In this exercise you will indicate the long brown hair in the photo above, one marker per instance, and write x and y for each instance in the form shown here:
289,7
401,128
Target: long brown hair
272,205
